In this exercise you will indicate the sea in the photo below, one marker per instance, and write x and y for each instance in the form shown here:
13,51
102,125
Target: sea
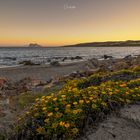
12,56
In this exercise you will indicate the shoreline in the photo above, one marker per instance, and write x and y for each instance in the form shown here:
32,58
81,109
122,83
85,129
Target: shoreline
48,72
40,72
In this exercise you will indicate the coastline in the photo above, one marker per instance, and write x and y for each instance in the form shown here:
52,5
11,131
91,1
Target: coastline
48,72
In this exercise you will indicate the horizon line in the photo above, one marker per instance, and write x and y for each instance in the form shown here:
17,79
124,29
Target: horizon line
68,44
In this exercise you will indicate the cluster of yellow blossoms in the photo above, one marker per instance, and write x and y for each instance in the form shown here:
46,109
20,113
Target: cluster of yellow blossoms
65,113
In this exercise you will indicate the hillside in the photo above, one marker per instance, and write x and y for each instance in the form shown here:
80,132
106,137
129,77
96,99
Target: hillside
107,44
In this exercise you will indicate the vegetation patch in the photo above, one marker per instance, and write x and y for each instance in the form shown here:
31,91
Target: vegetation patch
65,113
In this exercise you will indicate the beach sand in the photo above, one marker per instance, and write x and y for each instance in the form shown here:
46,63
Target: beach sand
42,72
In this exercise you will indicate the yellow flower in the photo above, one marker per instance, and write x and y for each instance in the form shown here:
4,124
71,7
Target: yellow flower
37,99
43,97
94,106
81,101
104,104
75,111
27,113
56,109
68,106
123,85
50,114
87,101
63,96
44,108
75,131
54,99
75,103
91,98
67,125
110,93
46,120
41,130
62,123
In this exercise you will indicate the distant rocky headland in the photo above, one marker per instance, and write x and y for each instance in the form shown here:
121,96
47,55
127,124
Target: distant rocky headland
108,44
34,45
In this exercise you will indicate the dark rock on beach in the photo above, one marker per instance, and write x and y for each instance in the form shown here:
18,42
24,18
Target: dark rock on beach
54,63
107,57
28,62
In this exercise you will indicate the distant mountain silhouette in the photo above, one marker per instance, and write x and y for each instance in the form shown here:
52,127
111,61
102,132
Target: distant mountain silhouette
108,44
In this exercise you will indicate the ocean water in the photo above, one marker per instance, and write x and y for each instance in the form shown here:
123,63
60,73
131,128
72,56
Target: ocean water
11,56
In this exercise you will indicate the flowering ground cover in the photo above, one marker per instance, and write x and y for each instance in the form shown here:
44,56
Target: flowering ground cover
65,114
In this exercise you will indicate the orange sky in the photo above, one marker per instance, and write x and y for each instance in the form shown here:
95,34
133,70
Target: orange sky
46,22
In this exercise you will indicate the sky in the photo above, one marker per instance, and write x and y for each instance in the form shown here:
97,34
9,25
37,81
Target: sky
62,22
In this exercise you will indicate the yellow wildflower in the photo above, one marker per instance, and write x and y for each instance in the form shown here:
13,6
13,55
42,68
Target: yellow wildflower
46,120
68,106
37,99
75,111
41,130
63,96
81,101
87,101
62,123
44,108
56,109
50,114
67,125
75,131
54,99
75,103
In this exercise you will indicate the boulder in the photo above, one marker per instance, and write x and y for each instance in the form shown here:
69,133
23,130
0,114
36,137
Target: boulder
55,63
28,62
107,57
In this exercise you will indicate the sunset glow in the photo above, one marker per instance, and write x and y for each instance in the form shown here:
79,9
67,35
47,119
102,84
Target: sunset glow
61,22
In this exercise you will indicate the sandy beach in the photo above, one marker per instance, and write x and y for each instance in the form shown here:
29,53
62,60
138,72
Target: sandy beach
42,72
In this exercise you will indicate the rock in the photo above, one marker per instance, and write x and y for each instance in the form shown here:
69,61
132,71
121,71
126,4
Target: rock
78,57
28,62
107,57
55,63
65,58
128,57
11,58
92,63
49,60
120,65
3,82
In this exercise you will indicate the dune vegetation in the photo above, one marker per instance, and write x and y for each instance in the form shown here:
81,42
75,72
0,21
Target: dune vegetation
80,102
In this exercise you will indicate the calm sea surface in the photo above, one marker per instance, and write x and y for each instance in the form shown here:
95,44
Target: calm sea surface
12,56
